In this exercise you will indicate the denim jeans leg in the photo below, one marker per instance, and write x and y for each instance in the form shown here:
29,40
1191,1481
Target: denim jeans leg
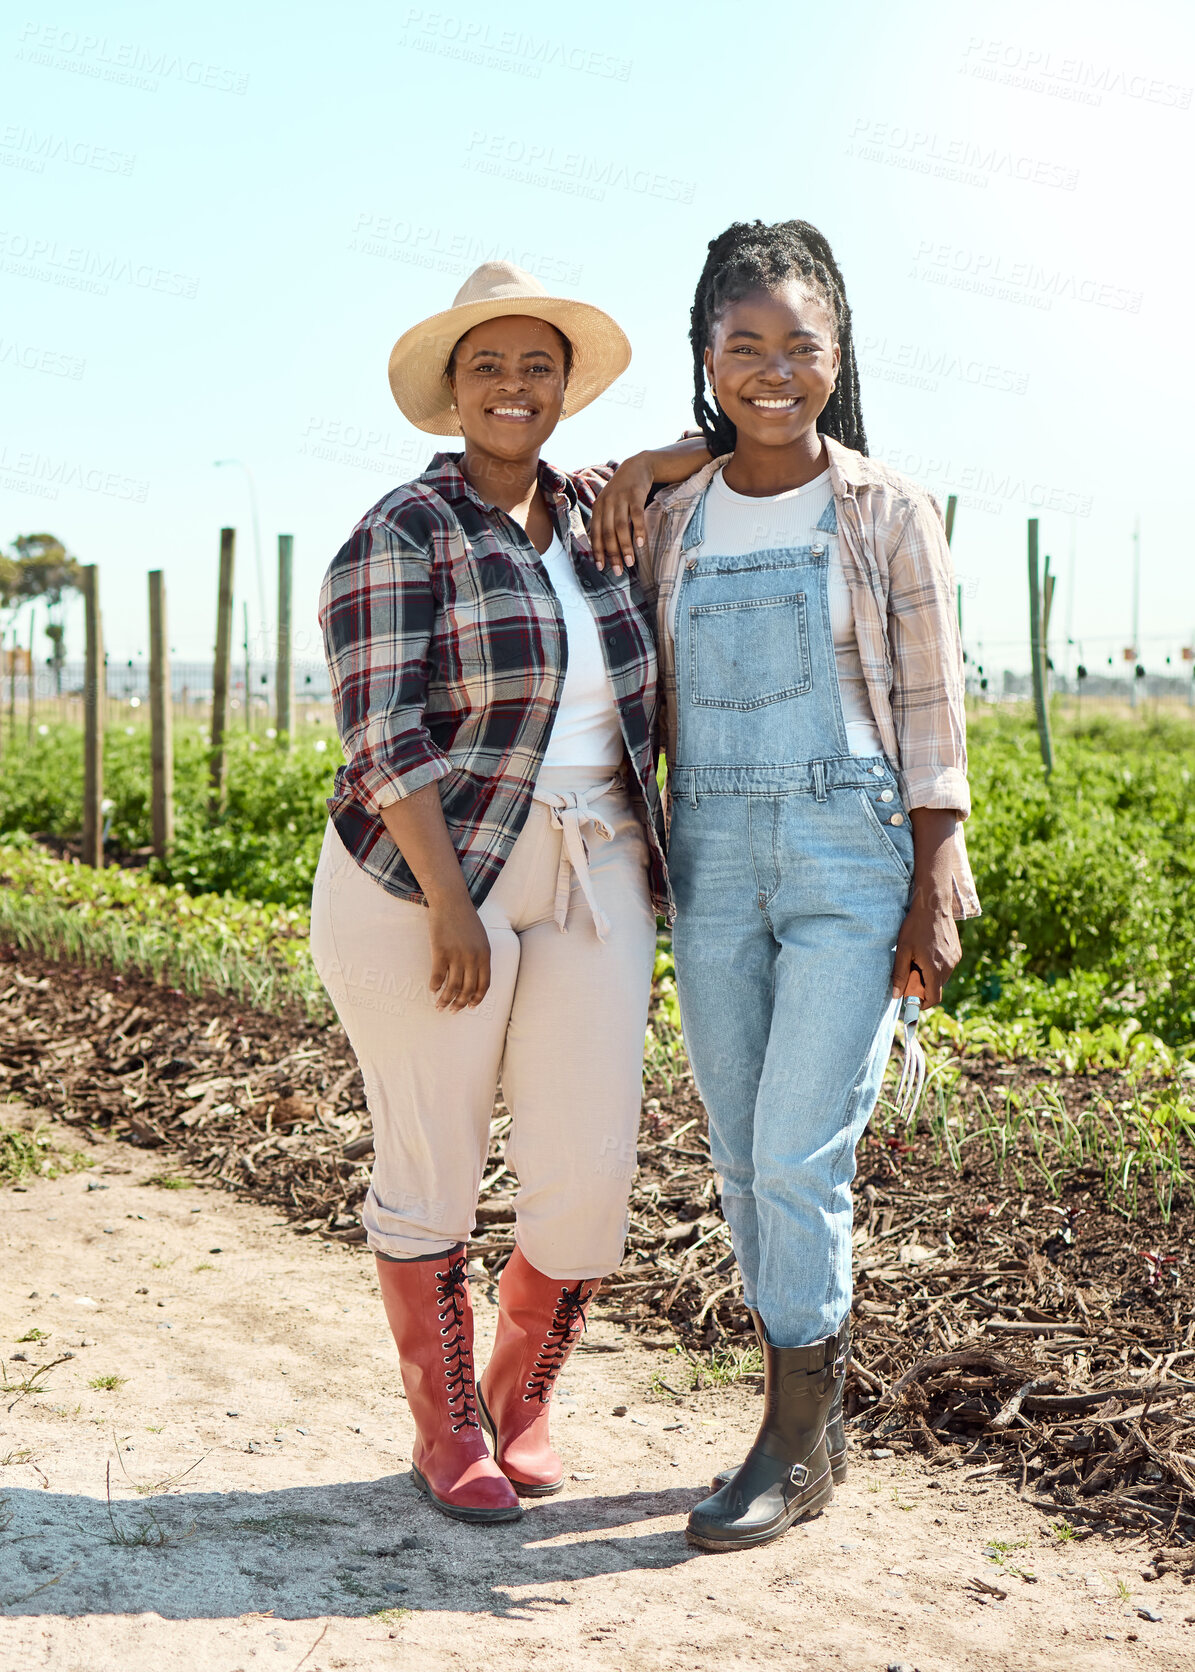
725,955
832,1023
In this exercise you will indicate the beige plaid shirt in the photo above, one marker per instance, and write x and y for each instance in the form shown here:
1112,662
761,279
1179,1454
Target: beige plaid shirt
898,569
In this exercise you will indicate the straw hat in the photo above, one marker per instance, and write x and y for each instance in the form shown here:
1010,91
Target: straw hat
601,351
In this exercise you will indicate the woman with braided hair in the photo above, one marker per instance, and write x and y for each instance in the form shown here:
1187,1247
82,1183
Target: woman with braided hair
815,735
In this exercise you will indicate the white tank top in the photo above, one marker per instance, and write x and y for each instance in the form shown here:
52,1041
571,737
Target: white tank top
736,524
586,732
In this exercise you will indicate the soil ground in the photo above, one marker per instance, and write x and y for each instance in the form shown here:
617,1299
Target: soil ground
262,1513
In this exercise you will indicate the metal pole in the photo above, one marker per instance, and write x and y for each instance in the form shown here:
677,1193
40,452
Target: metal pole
284,694
220,672
248,693
1037,650
161,717
1136,609
93,722
1070,592
261,584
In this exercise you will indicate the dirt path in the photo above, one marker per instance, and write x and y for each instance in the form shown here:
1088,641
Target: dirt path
262,1512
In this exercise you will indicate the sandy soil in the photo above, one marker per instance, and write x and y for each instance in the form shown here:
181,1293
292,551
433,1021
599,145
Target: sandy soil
262,1513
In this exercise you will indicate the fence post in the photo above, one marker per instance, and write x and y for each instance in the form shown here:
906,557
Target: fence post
951,507
14,654
284,695
93,722
1038,651
161,718
222,669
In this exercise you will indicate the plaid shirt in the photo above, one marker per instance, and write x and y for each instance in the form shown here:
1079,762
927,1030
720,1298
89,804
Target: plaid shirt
901,583
446,648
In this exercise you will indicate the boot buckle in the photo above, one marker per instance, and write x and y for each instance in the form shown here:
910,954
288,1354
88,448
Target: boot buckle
840,1363
799,1474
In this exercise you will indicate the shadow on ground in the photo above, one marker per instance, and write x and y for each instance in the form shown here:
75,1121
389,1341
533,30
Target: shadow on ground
350,1549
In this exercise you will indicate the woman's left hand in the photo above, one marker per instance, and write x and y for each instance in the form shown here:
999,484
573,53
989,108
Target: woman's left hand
927,948
927,953
616,528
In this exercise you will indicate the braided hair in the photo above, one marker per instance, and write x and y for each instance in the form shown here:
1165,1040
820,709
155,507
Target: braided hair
748,257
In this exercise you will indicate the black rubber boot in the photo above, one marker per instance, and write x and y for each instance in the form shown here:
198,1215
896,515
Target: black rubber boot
835,1428
786,1477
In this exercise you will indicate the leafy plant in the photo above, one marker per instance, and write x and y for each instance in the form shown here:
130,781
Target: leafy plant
34,1155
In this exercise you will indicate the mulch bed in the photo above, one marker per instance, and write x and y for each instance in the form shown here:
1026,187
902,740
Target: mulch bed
995,1325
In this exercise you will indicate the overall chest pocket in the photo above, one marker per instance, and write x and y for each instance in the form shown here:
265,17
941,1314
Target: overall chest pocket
747,654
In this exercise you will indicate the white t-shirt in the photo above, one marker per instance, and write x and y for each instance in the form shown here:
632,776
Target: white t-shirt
736,524
586,732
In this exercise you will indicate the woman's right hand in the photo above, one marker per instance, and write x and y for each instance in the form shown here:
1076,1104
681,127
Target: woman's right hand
460,950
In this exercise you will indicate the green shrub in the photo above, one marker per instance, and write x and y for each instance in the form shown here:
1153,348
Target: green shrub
264,845
1085,881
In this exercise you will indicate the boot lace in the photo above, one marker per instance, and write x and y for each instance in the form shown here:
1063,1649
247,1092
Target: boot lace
458,1353
568,1321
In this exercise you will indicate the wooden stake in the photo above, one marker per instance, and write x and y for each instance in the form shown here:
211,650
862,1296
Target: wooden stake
32,690
223,667
93,722
161,718
1038,652
284,695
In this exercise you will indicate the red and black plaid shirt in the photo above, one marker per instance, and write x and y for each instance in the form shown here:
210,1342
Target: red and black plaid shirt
446,648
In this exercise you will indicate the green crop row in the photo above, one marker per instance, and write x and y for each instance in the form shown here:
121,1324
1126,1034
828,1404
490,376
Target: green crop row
125,920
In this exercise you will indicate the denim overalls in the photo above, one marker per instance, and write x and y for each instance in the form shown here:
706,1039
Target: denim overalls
791,864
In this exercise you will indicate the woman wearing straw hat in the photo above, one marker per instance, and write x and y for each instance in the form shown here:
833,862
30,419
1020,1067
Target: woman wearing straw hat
486,896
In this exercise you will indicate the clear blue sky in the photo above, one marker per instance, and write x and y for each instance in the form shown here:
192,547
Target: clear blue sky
217,219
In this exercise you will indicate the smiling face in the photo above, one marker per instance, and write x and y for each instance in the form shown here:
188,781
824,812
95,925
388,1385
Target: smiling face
508,378
772,364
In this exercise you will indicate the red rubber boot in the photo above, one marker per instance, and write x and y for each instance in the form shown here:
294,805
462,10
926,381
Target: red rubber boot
540,1320
430,1314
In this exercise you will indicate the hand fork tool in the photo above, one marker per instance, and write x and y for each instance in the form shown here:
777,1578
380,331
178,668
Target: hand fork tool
912,1076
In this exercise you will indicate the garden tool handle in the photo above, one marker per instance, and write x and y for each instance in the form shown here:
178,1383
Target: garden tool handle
910,1010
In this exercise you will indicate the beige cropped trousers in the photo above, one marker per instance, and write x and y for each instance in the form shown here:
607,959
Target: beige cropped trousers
562,1028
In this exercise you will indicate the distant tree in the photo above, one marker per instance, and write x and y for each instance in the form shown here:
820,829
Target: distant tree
42,568
56,633
45,567
10,580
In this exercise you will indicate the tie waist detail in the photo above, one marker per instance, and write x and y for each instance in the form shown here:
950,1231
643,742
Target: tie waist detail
572,816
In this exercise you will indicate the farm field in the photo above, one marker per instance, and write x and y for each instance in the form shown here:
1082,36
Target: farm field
1025,1303
1089,912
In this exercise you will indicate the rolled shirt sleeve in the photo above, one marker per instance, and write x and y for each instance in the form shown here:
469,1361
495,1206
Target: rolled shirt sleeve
928,708
377,613
589,482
